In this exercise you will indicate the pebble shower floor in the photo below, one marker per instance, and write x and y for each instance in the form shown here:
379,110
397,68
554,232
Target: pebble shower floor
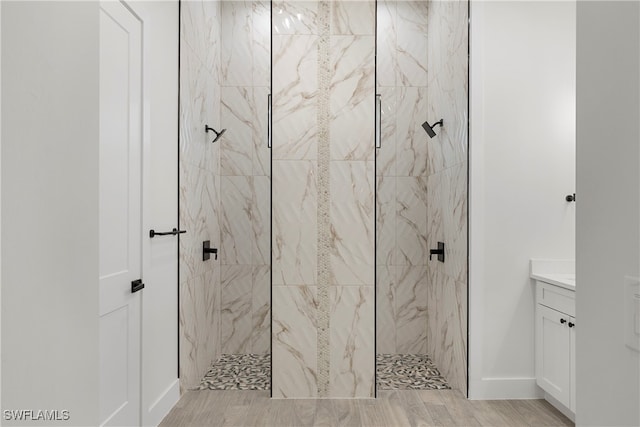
394,372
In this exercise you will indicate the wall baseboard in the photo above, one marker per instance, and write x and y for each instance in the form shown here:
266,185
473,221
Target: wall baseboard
163,404
504,388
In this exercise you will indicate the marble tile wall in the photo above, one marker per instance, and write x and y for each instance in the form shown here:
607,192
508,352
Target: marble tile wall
401,174
323,208
245,177
200,282
422,182
447,188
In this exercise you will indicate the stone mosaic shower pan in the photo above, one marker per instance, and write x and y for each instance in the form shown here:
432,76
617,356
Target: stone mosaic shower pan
394,372
408,372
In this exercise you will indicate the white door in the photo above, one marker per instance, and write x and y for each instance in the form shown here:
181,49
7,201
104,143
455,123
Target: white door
120,213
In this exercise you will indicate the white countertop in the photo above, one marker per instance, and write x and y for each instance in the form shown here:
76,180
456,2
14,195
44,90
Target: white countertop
567,280
556,272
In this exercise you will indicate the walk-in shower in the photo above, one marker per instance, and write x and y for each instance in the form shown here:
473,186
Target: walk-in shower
324,196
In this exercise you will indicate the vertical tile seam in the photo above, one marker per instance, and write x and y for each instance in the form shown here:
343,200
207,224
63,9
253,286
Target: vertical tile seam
323,237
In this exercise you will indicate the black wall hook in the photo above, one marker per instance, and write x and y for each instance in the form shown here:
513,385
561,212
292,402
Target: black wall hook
218,134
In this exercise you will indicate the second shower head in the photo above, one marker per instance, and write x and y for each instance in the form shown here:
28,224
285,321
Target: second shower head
218,134
429,128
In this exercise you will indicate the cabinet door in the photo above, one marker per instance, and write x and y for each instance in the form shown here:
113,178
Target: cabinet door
553,353
572,333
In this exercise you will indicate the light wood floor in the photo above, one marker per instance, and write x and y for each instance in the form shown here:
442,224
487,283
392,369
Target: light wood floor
392,408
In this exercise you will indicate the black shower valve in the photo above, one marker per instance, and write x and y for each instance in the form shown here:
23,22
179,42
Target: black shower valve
207,250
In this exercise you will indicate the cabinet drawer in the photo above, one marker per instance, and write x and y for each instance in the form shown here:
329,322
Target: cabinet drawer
556,298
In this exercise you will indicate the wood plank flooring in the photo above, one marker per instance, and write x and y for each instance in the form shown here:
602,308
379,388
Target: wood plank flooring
393,408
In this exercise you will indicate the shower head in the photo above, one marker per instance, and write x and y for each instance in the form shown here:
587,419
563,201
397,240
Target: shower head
218,134
429,128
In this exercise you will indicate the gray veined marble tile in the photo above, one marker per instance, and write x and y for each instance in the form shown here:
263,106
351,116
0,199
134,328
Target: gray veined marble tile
351,97
295,97
261,220
411,148
353,17
352,226
236,35
411,33
352,342
386,43
236,229
238,117
294,219
261,38
386,230
236,299
411,221
294,17
294,342
386,309
261,310
411,309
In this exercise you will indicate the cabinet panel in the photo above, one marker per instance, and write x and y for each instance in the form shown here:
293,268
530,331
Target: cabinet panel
553,353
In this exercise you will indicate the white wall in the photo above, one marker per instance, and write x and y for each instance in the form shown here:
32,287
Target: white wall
160,386
522,151
50,208
608,218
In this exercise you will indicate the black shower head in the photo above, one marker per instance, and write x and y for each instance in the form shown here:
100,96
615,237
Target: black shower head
218,134
429,128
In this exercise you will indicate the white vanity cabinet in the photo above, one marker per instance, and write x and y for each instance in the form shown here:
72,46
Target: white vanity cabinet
556,342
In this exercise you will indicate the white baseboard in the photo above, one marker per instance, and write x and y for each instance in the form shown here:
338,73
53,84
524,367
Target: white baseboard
504,388
163,404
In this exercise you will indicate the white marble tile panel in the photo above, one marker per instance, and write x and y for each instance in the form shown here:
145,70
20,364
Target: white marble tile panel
261,152
194,331
446,335
294,221
435,217
455,221
235,306
352,226
294,101
352,342
411,33
236,231
352,97
261,220
261,49
386,208
238,117
236,35
261,310
200,29
294,17
411,309
197,217
294,342
353,17
193,108
212,298
448,88
386,309
386,43
411,221
411,148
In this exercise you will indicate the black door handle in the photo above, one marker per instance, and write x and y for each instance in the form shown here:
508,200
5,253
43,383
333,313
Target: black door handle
136,286
153,233
571,325
563,321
